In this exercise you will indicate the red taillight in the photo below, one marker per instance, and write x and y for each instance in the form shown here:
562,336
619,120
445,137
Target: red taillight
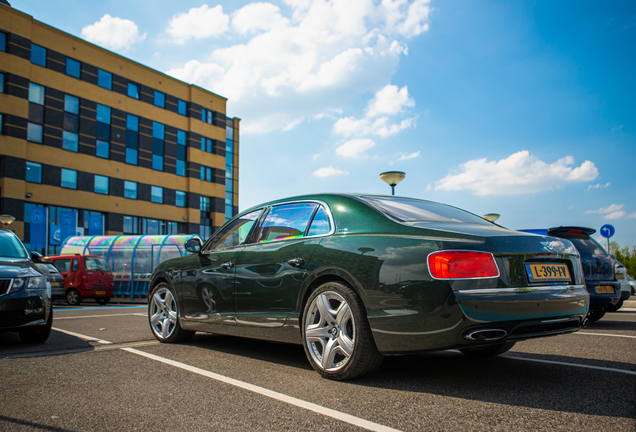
84,278
462,265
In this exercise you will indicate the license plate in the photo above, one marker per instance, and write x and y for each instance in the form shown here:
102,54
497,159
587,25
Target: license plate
604,289
548,272
55,284
100,292
619,276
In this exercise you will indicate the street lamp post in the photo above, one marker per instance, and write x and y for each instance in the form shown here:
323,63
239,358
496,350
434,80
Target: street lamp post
492,217
6,220
392,178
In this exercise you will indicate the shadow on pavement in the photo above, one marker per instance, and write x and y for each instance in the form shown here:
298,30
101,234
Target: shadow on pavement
31,424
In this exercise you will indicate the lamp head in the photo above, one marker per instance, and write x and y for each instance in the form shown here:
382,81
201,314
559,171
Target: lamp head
392,178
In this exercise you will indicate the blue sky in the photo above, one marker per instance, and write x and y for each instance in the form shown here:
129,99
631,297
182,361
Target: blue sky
526,109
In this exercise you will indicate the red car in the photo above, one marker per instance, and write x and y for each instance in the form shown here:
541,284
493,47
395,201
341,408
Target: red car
85,276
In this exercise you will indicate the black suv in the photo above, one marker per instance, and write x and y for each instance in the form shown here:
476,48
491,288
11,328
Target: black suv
25,293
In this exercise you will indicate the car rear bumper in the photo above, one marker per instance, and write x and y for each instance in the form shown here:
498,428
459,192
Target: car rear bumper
603,301
511,314
95,292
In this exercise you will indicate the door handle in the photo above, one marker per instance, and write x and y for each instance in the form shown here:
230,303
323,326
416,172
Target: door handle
296,262
228,265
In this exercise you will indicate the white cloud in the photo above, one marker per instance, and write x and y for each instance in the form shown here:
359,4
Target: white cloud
632,215
316,156
348,126
199,23
113,33
303,59
355,147
389,101
328,172
598,185
404,156
257,17
611,209
520,173
615,215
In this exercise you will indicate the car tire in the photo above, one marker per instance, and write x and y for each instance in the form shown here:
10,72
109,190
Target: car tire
163,316
39,334
335,319
487,351
73,297
102,300
617,306
596,315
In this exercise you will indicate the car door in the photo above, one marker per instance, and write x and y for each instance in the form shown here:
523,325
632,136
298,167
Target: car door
270,270
64,266
207,278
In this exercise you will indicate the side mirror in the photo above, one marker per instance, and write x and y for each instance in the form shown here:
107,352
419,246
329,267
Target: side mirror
193,245
36,257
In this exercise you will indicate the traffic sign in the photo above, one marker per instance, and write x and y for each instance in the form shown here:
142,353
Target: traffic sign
607,231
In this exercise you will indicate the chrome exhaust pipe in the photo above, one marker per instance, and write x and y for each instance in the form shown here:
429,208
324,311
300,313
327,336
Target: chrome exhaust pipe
485,335
585,323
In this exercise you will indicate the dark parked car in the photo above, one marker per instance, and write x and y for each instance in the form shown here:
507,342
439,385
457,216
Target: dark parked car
52,274
353,277
598,268
25,293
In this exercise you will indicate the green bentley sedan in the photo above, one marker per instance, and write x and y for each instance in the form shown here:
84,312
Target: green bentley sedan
354,277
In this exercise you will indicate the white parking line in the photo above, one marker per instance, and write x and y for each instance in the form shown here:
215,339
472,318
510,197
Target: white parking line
99,316
347,418
574,364
81,336
605,334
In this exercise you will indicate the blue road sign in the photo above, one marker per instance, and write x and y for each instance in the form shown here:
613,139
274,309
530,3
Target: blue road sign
607,231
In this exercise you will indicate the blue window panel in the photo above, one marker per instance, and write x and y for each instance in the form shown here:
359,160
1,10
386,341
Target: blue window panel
103,131
158,130
229,186
229,146
202,144
203,173
228,212
132,123
101,184
130,189
132,139
1,83
73,67
181,137
181,199
210,117
229,133
181,153
36,93
156,194
229,171
204,114
104,79
38,55
209,147
71,122
71,104
181,170
103,114
182,107
131,156
228,198
157,146
70,141
3,43
208,174
34,132
160,99
33,172
157,162
103,149
133,90
69,179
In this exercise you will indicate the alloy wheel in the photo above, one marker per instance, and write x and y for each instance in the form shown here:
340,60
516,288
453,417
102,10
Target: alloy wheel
163,313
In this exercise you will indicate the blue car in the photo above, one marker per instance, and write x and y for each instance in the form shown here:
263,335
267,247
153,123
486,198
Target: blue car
598,268
25,293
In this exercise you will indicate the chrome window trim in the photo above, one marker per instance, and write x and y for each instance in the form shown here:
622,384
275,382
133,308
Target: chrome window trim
523,290
463,279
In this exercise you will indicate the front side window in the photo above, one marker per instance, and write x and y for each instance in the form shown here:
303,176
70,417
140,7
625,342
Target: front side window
160,99
72,67
235,233
133,90
101,184
63,265
33,172
38,55
69,179
130,189
104,79
286,222
156,194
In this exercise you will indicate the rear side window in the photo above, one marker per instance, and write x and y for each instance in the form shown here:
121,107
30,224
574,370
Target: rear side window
75,265
286,222
321,224
62,265
96,264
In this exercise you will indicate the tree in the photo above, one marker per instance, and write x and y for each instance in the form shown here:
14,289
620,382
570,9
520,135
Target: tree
626,257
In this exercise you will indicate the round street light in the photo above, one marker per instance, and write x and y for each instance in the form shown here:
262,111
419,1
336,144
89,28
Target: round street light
392,178
6,220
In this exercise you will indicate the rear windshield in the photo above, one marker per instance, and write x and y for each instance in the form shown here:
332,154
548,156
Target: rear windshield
587,246
47,268
96,264
412,210
10,246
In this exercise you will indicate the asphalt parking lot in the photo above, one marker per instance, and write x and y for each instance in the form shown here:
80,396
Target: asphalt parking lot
102,370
